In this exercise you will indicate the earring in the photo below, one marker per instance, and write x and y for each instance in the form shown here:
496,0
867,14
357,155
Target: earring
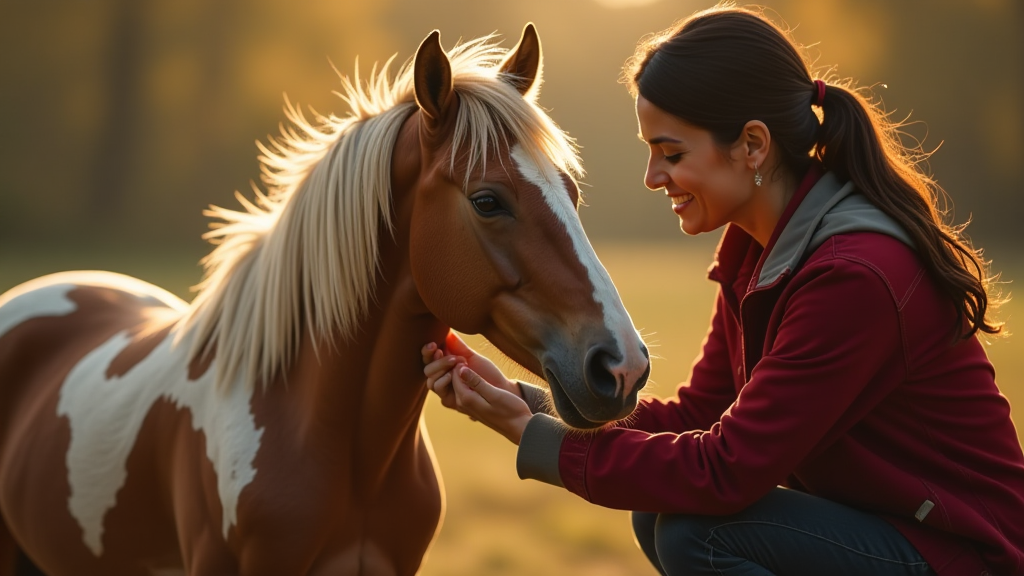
757,176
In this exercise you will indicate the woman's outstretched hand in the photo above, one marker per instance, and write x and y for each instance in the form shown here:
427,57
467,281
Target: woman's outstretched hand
438,365
472,384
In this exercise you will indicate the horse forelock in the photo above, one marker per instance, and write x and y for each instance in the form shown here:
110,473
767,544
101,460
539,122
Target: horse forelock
493,114
304,255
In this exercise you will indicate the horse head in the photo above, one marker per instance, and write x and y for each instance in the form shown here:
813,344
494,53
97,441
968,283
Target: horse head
496,244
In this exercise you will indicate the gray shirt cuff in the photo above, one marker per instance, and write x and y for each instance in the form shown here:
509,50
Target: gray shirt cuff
539,449
537,398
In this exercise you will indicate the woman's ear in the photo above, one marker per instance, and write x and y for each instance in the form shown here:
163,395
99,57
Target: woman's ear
755,143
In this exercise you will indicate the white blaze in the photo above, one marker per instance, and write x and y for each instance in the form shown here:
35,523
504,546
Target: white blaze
552,186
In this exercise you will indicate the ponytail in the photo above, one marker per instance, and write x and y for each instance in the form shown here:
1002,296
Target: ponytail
858,142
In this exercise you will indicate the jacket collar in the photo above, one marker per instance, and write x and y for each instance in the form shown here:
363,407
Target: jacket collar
823,206
793,236
739,256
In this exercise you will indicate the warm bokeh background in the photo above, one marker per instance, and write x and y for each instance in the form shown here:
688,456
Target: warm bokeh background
122,119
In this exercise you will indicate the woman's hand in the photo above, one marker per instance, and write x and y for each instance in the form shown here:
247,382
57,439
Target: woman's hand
472,384
501,410
438,365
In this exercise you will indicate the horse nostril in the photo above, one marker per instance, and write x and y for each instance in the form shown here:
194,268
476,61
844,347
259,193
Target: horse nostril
600,375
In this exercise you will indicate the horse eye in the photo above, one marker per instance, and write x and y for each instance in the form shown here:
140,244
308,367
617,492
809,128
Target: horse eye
487,205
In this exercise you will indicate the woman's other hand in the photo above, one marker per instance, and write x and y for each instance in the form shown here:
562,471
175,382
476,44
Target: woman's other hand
438,363
501,410
440,375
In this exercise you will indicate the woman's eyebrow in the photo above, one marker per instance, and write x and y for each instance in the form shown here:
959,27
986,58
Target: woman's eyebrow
659,140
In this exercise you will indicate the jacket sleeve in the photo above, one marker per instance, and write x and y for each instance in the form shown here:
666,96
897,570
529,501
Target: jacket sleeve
839,329
701,400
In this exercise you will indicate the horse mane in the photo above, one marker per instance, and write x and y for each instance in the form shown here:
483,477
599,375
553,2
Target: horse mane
304,255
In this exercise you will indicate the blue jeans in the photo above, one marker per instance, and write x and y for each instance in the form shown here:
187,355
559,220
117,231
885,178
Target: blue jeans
788,533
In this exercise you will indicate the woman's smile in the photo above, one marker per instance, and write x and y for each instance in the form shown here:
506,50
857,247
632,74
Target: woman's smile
680,202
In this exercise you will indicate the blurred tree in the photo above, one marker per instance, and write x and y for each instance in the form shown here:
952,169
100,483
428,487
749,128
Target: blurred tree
116,142
136,108
216,39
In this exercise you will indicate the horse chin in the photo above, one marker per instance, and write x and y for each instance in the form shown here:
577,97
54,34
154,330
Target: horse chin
570,412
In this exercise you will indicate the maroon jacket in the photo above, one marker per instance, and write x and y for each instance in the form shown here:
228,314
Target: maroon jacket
829,368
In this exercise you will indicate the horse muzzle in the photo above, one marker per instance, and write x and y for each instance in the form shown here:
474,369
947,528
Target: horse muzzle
601,390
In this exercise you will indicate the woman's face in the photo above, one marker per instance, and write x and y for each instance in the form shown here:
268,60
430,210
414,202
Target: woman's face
707,186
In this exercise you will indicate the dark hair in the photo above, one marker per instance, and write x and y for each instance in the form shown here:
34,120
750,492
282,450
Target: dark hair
725,66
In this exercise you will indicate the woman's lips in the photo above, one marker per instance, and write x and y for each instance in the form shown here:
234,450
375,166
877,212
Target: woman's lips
680,202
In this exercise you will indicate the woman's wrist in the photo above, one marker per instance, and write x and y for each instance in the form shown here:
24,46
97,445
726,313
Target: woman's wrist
518,426
537,398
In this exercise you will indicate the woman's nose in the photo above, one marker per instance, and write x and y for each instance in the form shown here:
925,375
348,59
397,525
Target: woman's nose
655,179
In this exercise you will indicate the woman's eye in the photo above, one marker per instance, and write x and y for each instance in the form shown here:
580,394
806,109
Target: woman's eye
673,159
487,205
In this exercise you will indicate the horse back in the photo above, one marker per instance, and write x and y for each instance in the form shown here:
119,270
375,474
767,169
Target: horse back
49,328
47,325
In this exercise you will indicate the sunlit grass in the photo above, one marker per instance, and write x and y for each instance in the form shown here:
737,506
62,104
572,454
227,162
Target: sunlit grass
496,524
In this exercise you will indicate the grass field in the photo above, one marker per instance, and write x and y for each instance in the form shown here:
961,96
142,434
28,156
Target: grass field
496,524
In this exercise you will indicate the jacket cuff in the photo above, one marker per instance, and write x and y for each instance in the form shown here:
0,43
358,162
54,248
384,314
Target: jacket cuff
572,463
537,398
539,447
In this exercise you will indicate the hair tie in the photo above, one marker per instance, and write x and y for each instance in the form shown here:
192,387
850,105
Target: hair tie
820,100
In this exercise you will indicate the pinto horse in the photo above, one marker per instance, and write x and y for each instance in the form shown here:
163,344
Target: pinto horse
274,425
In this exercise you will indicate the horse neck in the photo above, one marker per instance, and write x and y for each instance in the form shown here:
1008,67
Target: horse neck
367,392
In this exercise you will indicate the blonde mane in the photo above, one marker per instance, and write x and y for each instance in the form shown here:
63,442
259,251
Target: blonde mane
305,254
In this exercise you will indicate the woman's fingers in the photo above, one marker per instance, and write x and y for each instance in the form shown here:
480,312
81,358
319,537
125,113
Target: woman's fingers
438,370
476,383
499,409
469,390
473,393
430,352
439,384
442,386
463,393
440,364
427,352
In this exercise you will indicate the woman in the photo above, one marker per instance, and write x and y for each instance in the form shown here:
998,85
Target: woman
843,417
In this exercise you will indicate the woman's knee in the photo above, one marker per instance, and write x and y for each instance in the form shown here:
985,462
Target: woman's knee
675,544
643,527
681,543
643,531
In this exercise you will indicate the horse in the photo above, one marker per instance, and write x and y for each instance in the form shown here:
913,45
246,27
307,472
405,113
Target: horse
274,425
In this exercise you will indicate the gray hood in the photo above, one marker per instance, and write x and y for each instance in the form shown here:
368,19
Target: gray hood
831,207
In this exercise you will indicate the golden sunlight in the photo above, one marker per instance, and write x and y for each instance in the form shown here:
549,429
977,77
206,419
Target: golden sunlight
624,3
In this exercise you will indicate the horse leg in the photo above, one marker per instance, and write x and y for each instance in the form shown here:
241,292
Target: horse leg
23,566
9,552
13,561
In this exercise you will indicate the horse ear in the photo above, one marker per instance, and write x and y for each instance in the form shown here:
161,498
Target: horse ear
523,66
432,77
